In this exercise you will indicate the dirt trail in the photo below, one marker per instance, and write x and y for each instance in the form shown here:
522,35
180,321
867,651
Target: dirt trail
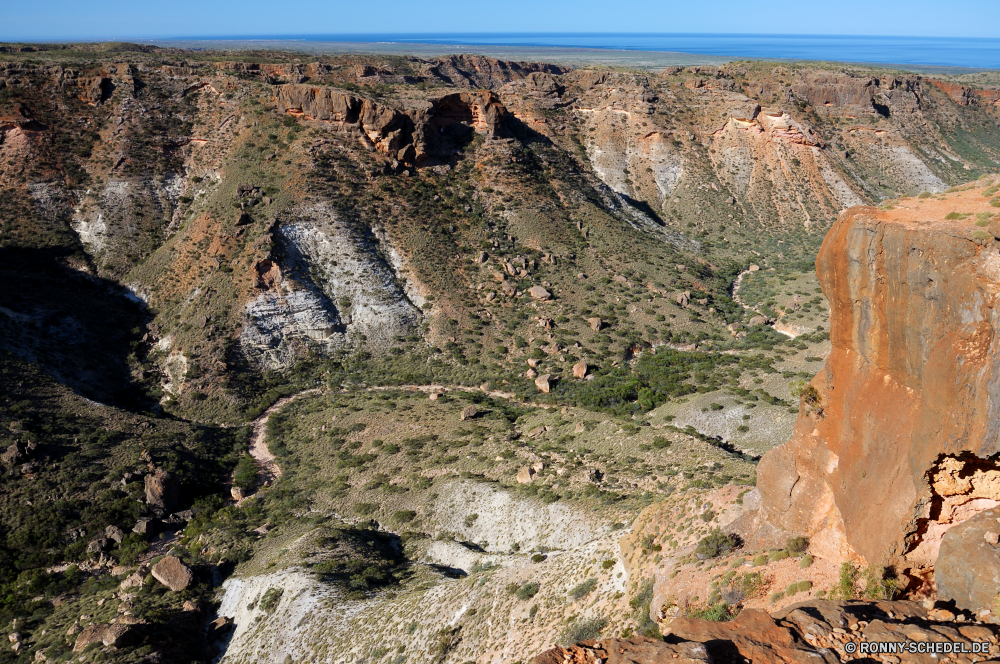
736,291
267,469
739,301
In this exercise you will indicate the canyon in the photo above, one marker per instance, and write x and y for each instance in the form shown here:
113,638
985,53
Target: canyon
400,360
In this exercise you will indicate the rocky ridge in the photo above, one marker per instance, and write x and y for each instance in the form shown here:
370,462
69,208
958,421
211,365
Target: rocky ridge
814,631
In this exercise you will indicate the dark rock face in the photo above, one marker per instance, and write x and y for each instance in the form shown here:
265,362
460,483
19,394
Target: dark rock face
753,635
968,566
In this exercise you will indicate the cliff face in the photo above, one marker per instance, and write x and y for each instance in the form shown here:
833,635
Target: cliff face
413,135
894,436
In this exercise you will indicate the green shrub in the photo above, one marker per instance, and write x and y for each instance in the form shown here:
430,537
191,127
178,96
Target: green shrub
845,587
715,544
403,516
796,545
269,602
365,509
608,564
584,629
581,590
798,587
133,545
245,475
878,583
775,556
527,591
760,560
775,597
720,612
537,558
707,515
806,561
660,442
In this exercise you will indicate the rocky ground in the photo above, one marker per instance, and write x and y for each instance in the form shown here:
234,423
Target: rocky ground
814,631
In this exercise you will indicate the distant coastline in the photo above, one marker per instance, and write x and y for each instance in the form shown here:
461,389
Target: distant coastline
978,53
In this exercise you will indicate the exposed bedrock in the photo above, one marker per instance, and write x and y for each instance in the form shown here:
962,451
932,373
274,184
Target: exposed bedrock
425,129
897,435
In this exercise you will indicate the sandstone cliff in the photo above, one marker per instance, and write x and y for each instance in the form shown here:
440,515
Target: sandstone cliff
897,436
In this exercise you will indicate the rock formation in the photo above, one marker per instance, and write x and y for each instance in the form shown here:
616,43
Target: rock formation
411,135
172,573
896,436
815,631
161,491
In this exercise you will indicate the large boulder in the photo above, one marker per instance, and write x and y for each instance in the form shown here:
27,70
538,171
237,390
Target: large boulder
109,635
172,573
469,412
525,475
539,293
968,565
13,455
544,383
161,491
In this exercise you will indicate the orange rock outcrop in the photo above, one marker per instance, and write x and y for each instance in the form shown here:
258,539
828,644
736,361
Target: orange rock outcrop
894,435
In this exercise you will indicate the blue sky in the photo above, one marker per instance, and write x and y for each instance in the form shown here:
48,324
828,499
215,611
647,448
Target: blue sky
136,19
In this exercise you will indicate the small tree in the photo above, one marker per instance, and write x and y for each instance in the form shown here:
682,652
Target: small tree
245,475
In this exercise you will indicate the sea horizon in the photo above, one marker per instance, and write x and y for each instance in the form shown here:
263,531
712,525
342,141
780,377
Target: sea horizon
977,53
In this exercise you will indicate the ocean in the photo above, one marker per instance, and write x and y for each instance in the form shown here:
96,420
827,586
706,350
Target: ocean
979,53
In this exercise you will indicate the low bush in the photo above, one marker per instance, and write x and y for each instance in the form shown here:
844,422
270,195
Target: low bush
581,590
404,516
797,545
527,591
272,597
715,544
583,629
798,587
